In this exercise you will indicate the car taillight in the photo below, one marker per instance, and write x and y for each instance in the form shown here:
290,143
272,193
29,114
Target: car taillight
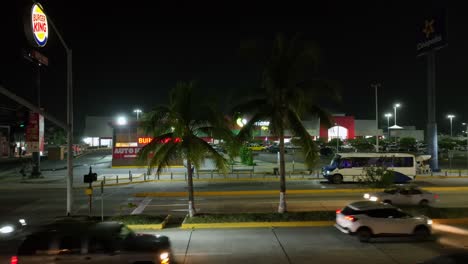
14,260
351,218
436,196
338,211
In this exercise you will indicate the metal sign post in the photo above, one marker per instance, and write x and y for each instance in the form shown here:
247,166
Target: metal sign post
102,200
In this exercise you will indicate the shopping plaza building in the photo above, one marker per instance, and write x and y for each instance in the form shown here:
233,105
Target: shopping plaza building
126,138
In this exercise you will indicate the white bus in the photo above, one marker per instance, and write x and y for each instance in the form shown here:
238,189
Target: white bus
350,166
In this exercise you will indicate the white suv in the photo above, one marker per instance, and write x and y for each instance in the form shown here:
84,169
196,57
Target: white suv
369,219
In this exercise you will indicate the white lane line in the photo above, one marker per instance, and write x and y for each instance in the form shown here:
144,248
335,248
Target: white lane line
141,206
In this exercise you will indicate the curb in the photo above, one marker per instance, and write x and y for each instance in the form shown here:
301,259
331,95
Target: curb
258,224
160,226
294,224
290,192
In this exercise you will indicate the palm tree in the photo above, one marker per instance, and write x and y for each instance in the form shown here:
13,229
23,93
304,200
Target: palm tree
286,92
176,130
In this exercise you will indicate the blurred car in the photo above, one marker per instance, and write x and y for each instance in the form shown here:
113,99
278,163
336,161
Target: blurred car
402,194
256,147
87,241
368,219
451,258
12,228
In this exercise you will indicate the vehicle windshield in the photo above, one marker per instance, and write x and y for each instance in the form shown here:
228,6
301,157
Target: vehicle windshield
335,161
391,190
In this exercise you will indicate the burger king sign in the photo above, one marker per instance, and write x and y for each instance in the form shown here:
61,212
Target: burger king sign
37,28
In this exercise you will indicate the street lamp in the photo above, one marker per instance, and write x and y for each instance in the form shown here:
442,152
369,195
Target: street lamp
394,109
450,117
466,124
137,111
388,115
121,120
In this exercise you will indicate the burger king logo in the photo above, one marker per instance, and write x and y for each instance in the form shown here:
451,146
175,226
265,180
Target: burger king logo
39,24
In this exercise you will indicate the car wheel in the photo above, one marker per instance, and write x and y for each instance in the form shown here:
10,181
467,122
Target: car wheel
387,202
421,233
364,234
424,203
337,179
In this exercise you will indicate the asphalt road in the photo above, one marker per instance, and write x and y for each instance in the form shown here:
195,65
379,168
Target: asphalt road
296,245
288,245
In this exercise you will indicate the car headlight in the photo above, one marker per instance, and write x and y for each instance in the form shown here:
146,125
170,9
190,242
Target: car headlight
429,221
366,196
7,229
164,257
373,198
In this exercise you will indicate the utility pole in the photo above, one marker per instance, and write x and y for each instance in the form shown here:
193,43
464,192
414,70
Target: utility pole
376,85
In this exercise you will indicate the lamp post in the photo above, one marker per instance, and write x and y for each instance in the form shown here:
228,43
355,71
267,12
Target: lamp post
395,106
138,112
450,117
388,115
466,124
69,124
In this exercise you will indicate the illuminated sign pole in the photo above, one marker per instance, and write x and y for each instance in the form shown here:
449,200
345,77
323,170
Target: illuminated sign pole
37,32
431,36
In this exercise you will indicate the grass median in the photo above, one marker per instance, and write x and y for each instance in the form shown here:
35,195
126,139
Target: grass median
138,219
432,212
262,217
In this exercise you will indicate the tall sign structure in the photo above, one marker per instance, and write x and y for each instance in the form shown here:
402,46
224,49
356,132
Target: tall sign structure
431,36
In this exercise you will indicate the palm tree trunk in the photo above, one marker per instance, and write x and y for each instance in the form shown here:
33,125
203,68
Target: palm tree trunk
282,203
191,201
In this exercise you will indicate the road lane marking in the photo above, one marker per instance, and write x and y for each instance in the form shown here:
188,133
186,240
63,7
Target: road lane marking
141,207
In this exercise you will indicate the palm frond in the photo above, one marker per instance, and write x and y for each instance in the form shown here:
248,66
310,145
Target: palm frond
309,148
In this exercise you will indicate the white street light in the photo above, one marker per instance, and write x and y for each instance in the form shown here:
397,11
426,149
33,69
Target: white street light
450,117
466,124
137,111
395,106
388,115
121,120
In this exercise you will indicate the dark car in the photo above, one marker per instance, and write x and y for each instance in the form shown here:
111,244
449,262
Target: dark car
88,241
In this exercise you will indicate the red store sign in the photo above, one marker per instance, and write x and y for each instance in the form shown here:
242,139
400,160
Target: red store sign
125,153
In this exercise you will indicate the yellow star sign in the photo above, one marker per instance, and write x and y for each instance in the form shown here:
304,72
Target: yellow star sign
428,27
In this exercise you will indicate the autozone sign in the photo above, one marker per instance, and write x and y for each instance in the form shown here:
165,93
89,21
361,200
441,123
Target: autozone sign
126,152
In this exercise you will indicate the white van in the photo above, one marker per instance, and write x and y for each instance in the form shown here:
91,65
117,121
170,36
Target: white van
350,166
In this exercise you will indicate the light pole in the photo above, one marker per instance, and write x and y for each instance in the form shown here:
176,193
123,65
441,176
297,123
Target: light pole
69,130
137,111
466,124
450,117
395,106
388,115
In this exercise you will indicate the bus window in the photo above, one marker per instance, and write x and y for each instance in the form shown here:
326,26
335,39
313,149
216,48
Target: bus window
403,162
360,162
345,163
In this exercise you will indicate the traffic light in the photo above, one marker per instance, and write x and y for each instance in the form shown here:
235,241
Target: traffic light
90,177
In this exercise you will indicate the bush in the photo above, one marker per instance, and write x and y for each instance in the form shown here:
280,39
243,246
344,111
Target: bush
246,156
377,176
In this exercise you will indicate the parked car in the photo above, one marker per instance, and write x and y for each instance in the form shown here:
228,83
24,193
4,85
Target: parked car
256,147
368,219
75,240
403,194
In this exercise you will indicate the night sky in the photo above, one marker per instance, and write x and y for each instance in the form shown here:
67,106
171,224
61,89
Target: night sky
130,55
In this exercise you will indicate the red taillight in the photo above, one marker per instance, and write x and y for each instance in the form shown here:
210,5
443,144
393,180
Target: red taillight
14,260
350,218
436,196
338,211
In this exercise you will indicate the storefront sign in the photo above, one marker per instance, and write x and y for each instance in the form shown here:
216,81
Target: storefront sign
125,153
144,140
35,133
432,32
36,26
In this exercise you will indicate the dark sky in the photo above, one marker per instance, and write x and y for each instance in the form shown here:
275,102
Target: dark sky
130,54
